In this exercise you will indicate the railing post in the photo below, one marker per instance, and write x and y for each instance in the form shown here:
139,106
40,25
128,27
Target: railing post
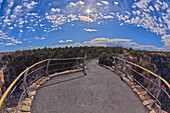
25,82
159,88
84,59
115,63
125,69
47,74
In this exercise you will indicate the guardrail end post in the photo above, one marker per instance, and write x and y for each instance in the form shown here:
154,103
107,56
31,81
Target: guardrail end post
84,59
25,82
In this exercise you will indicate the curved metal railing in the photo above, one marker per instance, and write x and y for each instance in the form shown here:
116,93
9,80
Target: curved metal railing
62,65
154,90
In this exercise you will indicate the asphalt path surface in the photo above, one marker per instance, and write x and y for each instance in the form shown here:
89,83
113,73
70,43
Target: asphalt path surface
100,91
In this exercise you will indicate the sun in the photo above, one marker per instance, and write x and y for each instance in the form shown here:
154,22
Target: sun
88,11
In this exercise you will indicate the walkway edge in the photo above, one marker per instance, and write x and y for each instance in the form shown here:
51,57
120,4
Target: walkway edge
25,105
142,95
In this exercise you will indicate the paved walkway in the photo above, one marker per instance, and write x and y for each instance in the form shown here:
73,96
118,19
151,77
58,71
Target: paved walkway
101,91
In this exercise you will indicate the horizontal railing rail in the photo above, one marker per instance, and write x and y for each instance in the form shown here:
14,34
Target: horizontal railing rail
47,68
155,90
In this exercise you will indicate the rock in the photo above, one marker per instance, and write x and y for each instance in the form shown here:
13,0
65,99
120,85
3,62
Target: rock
149,107
147,102
32,97
135,90
27,103
153,111
24,108
28,99
43,80
39,80
33,87
142,93
142,97
32,93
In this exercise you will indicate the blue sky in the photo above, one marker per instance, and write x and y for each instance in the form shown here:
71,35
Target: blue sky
137,24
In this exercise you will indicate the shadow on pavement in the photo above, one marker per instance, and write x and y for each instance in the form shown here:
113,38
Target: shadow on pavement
71,79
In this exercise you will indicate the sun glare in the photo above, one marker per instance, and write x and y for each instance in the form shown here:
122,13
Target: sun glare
88,11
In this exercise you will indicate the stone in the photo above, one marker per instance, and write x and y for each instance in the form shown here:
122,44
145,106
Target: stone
153,111
149,107
147,102
32,97
135,90
142,93
142,97
147,97
131,83
39,80
28,103
24,108
28,99
33,87
44,80
38,86
32,93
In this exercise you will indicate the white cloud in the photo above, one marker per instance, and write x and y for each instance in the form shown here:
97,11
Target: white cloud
143,4
1,2
21,22
17,8
62,41
10,40
104,41
90,30
165,5
68,40
108,16
77,44
11,27
105,2
73,5
151,8
30,5
119,42
55,10
121,24
9,44
6,20
116,3
99,4
157,7
80,2
166,40
128,43
86,18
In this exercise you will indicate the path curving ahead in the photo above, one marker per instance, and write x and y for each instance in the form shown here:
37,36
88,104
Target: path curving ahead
101,91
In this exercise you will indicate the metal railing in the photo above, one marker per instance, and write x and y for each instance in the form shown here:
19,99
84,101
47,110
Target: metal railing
32,74
153,84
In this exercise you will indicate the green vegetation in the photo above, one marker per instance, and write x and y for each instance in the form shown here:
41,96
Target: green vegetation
106,59
16,62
